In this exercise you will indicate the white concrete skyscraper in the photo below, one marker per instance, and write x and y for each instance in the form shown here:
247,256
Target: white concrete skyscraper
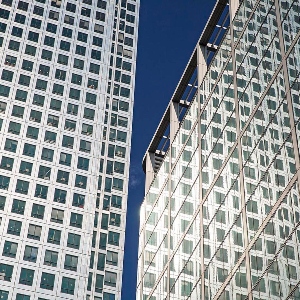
67,77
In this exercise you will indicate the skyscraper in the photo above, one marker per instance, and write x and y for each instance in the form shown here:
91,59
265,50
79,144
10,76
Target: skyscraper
66,100
220,219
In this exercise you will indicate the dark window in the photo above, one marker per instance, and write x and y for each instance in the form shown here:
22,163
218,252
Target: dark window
21,95
70,125
26,276
32,132
67,141
78,200
73,240
54,236
23,5
76,79
80,50
34,232
62,59
71,7
47,154
20,19
72,109
36,23
53,120
14,227
65,159
10,145
71,262
7,75
44,172
50,137
2,27
49,41
27,65
65,45
58,89
99,28
81,181
100,16
30,50
74,94
97,41
18,111
69,20
7,271
94,68
35,116
90,98
53,15
44,70
86,12
33,36
10,60
38,100
41,191
25,168
41,85
37,10
4,14
67,32
83,163
18,206
92,83
68,285
22,187
60,74
10,249
89,113
38,211
101,4
7,163
47,281
84,24
85,146
60,196
78,64
16,31
51,27
46,54
13,45
96,55
62,177
76,220
82,37
57,216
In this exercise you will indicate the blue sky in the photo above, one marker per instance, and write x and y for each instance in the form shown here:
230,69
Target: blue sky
168,33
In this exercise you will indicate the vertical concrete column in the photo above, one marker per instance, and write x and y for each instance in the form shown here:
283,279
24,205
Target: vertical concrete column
201,71
150,163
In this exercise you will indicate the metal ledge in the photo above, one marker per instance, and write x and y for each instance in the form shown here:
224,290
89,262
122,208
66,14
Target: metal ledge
186,76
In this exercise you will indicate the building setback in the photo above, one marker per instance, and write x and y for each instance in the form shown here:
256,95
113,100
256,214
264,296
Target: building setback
220,219
67,81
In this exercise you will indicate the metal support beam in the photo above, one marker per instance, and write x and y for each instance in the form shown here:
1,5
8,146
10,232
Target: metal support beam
150,169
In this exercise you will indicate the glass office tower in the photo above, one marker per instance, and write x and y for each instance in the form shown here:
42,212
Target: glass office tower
67,73
221,215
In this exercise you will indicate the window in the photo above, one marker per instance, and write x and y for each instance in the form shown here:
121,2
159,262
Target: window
96,54
110,278
24,80
35,116
54,236
30,253
10,249
27,65
65,159
7,75
76,79
33,36
7,163
74,94
63,60
87,129
116,201
50,137
4,182
60,196
10,61
89,113
112,258
51,258
22,297
85,146
69,20
72,109
97,41
67,141
68,285
78,64
14,128
25,168
2,204
22,187
13,45
51,27
49,41
37,10
3,294
60,74
78,200
86,12
46,54
10,145
113,238
94,68
34,232
83,163
115,219
38,100
44,172
21,95
62,177
47,154
36,23
38,211
76,220
53,15
99,28
71,7
18,207
100,16
53,120
99,283
73,240
84,24
41,191
29,150
26,277
65,46
82,37
20,19
41,85
44,70
71,262
80,50
2,27
7,271
90,98
47,281
92,83
58,89
23,5
67,32
55,104
30,50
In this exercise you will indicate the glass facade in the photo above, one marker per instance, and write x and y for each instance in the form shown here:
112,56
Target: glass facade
67,77
220,219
